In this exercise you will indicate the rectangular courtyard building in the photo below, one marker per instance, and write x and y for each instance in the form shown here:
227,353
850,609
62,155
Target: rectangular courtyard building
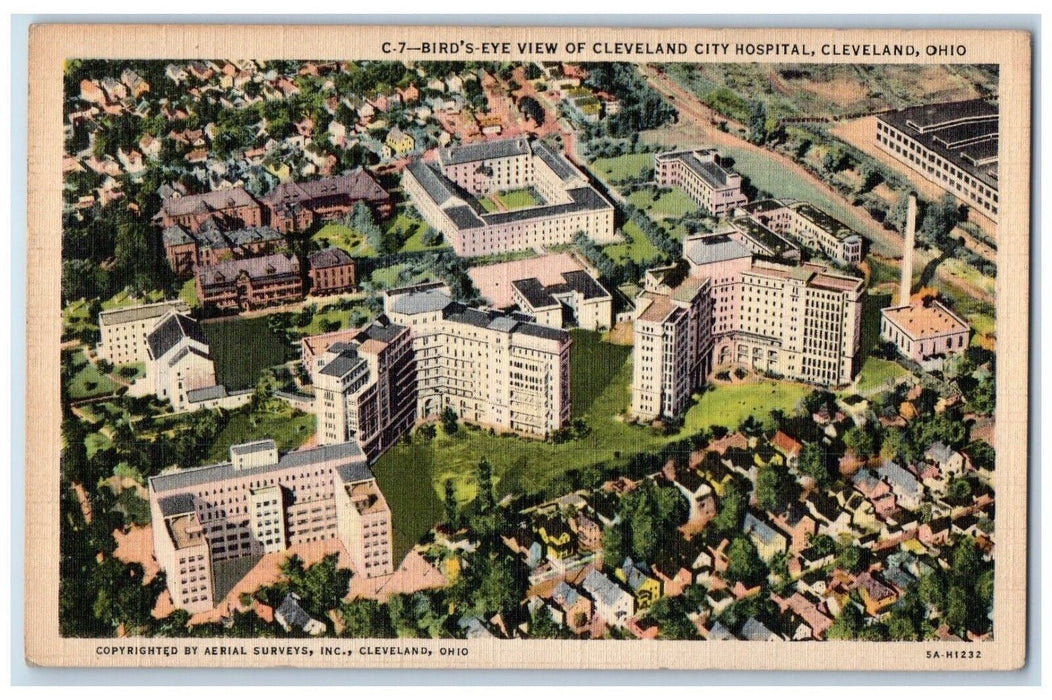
459,196
490,368
715,189
260,502
953,144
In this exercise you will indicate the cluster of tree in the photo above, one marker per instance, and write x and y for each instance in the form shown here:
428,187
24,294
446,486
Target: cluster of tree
669,246
642,108
649,518
532,109
321,586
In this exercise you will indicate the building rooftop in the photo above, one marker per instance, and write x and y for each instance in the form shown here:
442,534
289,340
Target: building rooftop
268,266
130,314
921,320
359,185
436,185
328,257
167,334
348,453
823,220
208,201
713,248
965,134
494,281
484,150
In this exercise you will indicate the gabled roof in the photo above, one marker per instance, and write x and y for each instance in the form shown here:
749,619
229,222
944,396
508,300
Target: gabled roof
170,331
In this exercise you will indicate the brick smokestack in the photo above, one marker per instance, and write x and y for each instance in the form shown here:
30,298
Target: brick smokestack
907,252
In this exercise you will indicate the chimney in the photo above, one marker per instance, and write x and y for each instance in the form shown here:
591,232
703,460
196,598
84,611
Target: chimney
907,252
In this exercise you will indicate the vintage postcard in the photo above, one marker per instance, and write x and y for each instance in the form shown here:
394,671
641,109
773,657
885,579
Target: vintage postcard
526,347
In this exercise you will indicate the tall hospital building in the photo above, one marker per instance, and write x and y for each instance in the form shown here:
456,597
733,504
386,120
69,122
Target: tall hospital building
261,502
799,321
427,353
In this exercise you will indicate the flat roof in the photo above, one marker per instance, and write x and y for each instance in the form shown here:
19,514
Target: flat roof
183,478
139,313
702,250
925,320
933,126
494,281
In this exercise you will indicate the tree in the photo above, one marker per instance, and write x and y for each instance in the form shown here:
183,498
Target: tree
775,489
486,499
853,559
848,624
614,550
450,502
731,511
814,463
366,618
744,563
758,122
861,440
449,421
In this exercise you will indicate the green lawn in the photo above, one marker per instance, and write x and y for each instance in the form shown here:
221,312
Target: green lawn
333,313
88,381
242,348
346,238
287,427
728,405
518,199
188,293
876,373
125,298
601,375
638,248
487,204
621,167
663,203
75,318
96,442
388,277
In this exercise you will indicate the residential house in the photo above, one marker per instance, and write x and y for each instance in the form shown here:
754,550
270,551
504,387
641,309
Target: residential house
613,604
557,537
645,588
876,595
291,616
768,541
789,447
571,609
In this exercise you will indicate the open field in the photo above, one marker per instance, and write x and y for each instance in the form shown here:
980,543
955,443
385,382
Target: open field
877,374
242,348
621,167
76,319
663,203
729,404
126,298
188,293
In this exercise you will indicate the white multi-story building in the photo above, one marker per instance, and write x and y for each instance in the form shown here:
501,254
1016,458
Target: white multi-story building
122,332
801,322
700,174
810,226
489,367
954,144
179,360
262,502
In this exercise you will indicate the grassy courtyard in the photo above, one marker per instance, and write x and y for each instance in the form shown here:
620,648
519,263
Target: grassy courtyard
626,166
288,427
877,374
346,238
242,348
638,248
663,203
518,199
